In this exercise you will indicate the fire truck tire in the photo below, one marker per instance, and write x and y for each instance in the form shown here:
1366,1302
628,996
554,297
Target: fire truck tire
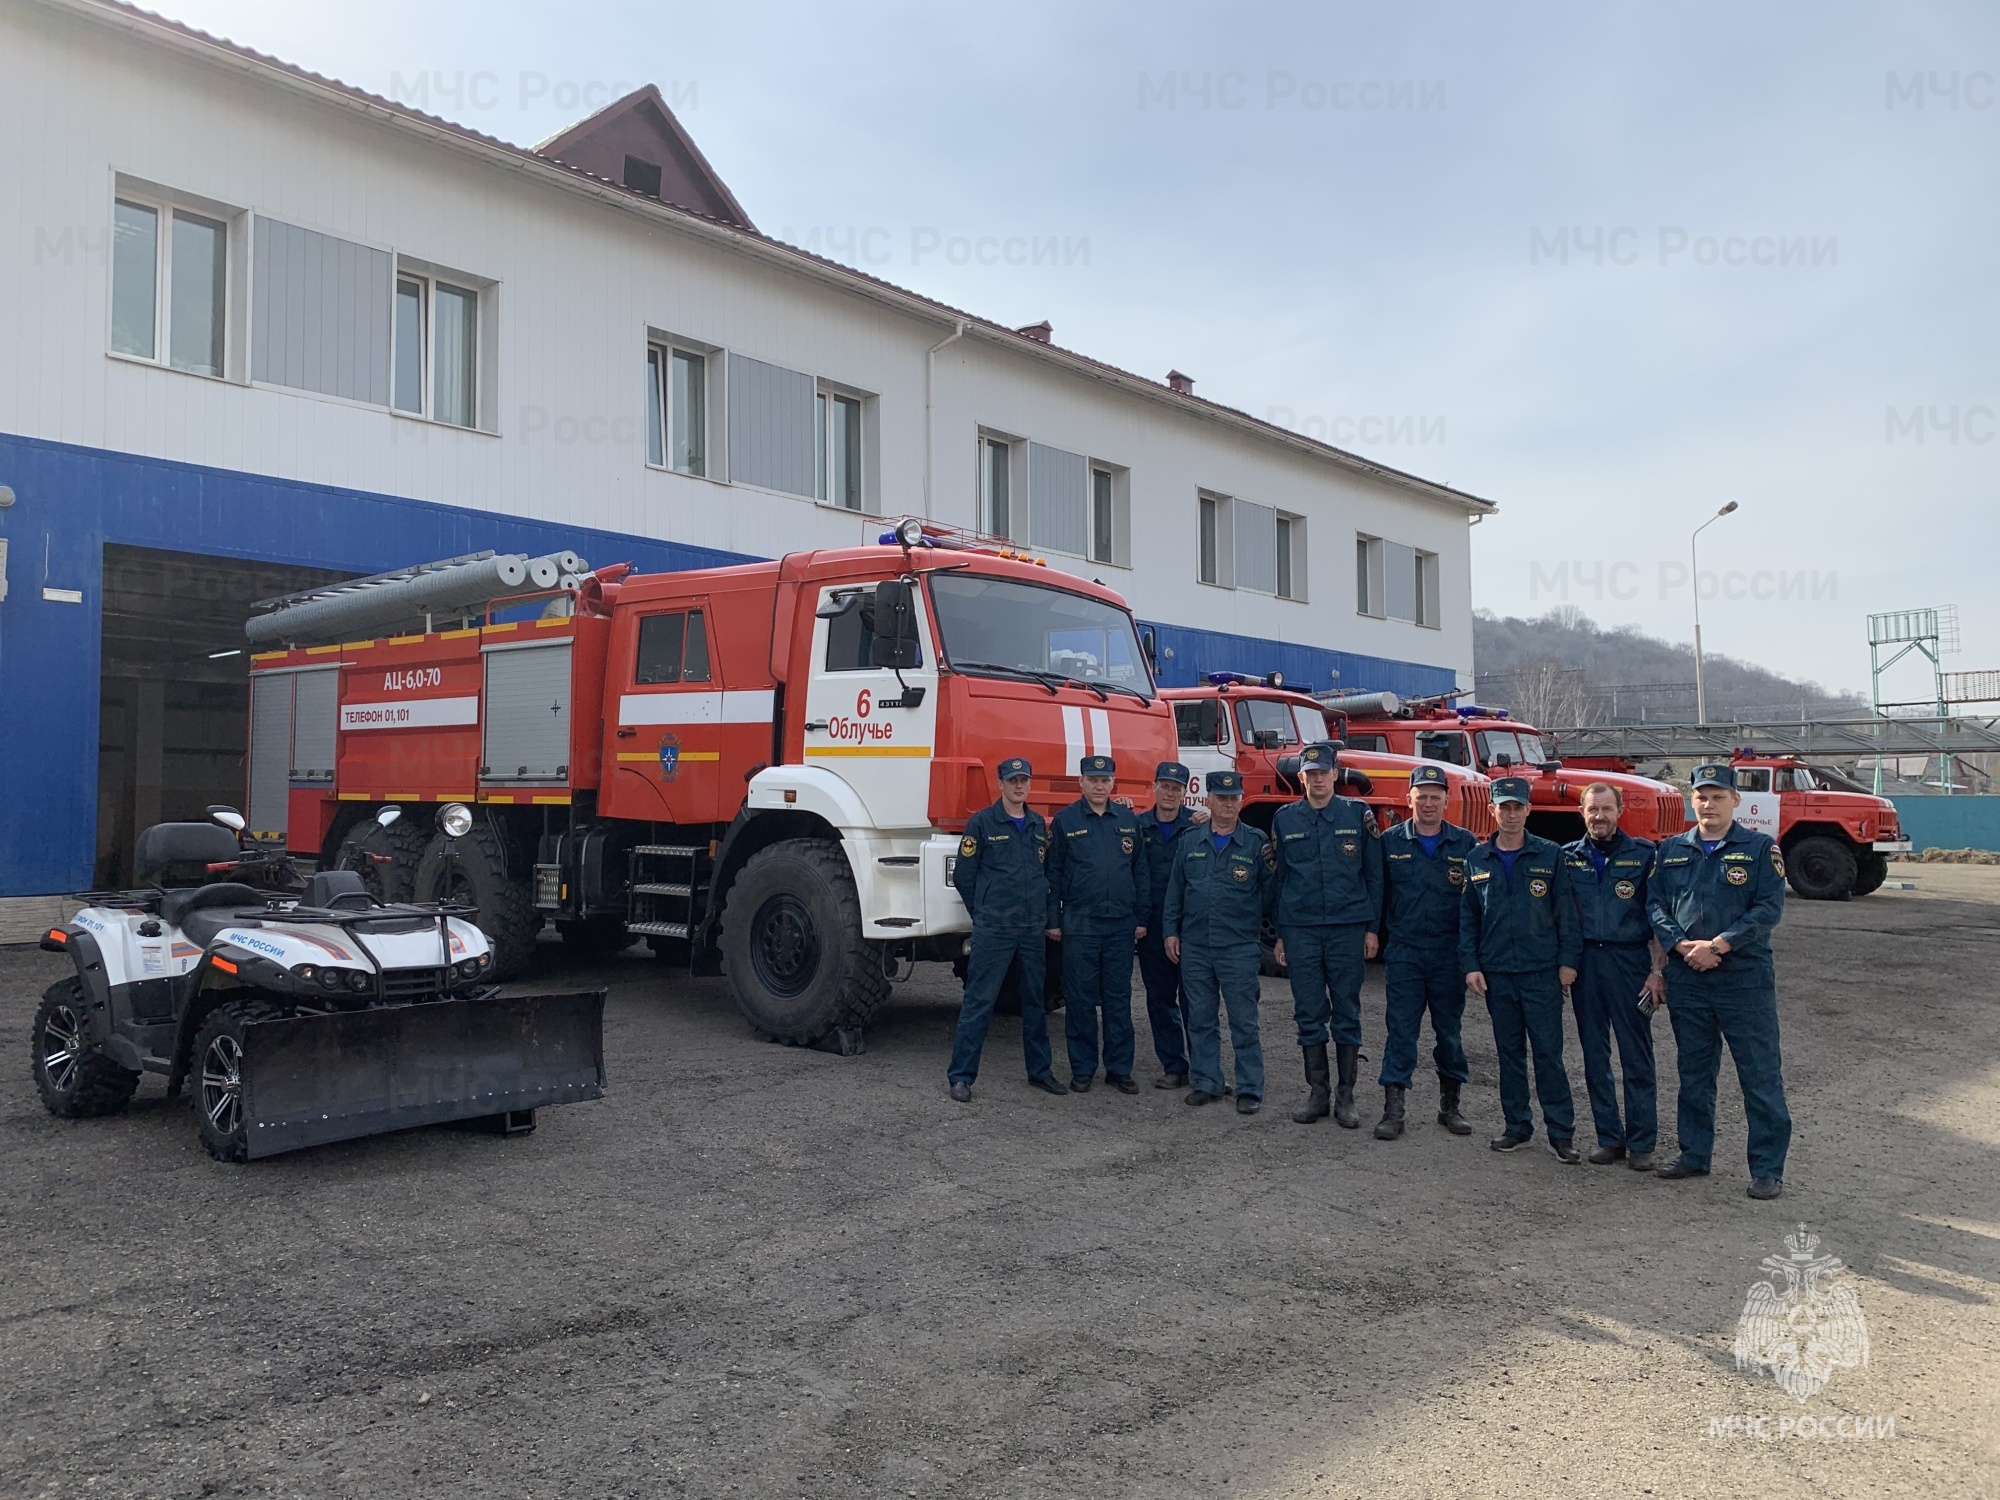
477,874
1870,870
1820,869
386,859
792,946
75,1080
596,935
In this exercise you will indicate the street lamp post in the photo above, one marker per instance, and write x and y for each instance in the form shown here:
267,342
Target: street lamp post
1694,577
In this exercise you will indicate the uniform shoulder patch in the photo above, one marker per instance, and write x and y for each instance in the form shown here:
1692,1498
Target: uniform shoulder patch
1777,859
968,846
1270,854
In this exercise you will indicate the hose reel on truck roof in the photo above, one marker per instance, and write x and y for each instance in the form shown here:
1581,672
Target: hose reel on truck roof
460,585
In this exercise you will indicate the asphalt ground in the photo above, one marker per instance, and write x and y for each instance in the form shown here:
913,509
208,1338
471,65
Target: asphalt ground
760,1271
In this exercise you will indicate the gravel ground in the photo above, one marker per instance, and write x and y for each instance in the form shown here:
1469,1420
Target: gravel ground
760,1271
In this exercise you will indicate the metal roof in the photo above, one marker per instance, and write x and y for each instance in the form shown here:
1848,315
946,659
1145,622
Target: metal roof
147,26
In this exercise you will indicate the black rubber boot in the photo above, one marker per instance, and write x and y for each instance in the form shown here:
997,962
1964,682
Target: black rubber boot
1319,1085
1448,1115
1392,1112
1348,1059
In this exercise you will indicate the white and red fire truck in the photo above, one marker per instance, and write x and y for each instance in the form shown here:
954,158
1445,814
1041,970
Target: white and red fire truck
760,769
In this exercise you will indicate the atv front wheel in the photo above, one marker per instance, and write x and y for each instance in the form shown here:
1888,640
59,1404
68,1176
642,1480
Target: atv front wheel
74,1079
219,1081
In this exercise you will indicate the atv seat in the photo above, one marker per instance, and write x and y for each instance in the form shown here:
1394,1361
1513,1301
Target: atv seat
336,890
179,854
201,914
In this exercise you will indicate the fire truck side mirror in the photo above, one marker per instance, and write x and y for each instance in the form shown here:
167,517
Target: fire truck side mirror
895,643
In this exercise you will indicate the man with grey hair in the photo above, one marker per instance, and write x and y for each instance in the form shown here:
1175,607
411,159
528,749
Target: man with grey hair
1620,980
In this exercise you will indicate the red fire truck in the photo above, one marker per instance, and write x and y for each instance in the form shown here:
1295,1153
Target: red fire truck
760,769
1837,836
1258,726
1502,746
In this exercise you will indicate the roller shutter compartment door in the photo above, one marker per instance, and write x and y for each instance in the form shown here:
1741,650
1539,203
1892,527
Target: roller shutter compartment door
270,751
315,720
527,714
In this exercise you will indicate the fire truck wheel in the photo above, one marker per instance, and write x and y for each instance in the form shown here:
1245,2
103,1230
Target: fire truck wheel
74,1080
1820,869
596,935
386,859
792,945
1870,870
475,872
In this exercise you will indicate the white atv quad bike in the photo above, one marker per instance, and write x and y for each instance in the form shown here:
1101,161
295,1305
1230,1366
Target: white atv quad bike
304,1016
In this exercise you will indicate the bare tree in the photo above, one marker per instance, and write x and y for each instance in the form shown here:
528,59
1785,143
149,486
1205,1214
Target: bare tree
1550,695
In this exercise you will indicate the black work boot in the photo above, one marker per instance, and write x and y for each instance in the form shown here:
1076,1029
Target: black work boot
1392,1112
1347,1057
1319,1085
1448,1115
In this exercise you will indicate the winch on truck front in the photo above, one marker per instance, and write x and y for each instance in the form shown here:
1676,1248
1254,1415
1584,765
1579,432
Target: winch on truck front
760,769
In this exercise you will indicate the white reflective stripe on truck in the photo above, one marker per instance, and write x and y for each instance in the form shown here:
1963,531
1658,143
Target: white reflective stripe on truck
743,706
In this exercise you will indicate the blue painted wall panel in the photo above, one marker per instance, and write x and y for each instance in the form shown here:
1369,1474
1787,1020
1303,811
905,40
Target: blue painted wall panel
1950,822
70,501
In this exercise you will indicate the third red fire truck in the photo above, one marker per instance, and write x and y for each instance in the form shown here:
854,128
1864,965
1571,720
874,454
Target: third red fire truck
1500,745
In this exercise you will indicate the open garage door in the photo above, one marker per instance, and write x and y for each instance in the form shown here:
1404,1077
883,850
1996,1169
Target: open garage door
173,705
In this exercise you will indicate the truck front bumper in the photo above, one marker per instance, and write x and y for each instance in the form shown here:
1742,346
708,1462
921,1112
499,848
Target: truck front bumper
1891,846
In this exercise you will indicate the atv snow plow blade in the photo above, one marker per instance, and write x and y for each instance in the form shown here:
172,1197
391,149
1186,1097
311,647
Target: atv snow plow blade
312,1079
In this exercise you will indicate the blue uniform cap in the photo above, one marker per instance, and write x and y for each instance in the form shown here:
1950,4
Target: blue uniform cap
1715,776
1430,776
1015,765
1225,783
1511,789
1324,756
1097,765
1171,770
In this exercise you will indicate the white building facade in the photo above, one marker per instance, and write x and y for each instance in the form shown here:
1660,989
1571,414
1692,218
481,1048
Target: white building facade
257,317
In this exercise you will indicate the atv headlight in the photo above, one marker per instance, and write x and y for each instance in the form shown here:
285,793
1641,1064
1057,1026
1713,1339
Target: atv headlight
468,968
360,981
305,973
330,979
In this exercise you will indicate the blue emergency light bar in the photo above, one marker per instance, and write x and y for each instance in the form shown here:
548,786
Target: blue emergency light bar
1246,679
1473,711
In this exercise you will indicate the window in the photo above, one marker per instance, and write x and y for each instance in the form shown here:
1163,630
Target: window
1209,569
1100,515
1448,747
1758,780
850,632
1379,743
1368,575
1266,723
677,409
436,350
1291,556
1200,723
1505,747
642,176
672,648
840,450
996,477
997,627
1427,590
169,289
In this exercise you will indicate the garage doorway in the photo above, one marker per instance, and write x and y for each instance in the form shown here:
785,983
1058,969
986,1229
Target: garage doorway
174,696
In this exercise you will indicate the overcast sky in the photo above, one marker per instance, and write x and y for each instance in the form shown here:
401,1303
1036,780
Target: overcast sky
1608,265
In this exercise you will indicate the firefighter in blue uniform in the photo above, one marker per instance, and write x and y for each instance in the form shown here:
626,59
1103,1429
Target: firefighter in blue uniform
1097,909
1162,830
1423,876
1618,983
1518,945
1219,890
999,874
1329,905
1717,891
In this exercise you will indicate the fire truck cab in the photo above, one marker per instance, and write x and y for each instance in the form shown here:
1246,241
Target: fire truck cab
762,770
1258,726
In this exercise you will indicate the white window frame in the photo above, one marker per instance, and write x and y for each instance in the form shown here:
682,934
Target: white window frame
665,347
1225,540
429,278
829,400
1015,449
1428,591
1370,592
164,204
1118,499
1292,567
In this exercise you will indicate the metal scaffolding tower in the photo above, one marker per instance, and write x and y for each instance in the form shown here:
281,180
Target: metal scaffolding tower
1930,633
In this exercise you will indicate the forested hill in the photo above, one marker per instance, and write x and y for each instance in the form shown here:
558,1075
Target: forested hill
1563,668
